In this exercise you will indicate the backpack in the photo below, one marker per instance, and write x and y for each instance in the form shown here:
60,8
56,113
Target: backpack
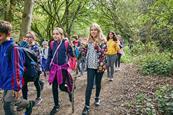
77,52
32,71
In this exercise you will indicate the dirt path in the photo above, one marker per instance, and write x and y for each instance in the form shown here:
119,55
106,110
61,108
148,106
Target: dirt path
116,96
111,97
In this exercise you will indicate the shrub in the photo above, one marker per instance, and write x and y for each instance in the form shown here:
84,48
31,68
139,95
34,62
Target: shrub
127,57
157,64
160,103
140,48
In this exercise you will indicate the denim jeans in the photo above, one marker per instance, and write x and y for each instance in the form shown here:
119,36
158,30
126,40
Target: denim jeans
91,75
110,65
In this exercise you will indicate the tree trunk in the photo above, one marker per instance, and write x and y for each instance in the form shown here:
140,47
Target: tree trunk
27,17
9,10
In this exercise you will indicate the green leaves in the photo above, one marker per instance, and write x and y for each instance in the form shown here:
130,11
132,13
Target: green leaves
160,103
157,64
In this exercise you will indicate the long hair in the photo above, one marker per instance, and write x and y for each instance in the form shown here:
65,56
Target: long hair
100,36
114,36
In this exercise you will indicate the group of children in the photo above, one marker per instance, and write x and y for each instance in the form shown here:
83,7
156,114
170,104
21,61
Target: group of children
98,55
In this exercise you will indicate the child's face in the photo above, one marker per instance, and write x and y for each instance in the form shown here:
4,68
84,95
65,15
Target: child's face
30,38
94,32
45,45
56,35
111,35
3,37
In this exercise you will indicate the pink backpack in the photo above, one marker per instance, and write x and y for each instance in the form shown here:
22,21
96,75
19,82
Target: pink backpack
72,61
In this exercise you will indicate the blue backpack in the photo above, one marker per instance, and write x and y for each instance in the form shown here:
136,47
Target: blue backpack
31,63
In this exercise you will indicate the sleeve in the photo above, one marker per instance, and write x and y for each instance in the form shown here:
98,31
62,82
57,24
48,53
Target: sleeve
50,55
17,59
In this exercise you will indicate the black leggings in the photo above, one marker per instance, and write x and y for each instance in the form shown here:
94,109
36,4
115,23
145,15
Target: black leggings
118,60
55,88
91,75
25,88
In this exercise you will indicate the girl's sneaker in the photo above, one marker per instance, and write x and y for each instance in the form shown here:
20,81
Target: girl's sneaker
54,110
38,101
85,111
111,79
97,101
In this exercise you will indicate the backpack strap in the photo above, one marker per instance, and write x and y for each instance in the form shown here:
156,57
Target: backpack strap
65,42
55,52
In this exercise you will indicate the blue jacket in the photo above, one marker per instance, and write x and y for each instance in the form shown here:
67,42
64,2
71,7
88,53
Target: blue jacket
11,67
61,56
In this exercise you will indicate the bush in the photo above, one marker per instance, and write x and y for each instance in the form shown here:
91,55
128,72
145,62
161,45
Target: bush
127,57
140,48
157,64
160,103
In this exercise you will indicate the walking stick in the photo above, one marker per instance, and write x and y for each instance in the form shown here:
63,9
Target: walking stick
74,87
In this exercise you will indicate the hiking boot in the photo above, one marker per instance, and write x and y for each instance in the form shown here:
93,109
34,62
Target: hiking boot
29,108
38,101
85,111
54,110
97,101
70,97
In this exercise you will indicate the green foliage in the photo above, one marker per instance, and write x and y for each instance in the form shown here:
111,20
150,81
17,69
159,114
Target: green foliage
149,59
161,102
127,57
157,64
141,48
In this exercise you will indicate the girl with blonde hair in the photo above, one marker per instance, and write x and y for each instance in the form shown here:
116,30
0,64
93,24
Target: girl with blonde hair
95,60
59,75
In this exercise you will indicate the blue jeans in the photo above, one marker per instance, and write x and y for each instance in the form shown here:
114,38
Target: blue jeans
110,65
91,75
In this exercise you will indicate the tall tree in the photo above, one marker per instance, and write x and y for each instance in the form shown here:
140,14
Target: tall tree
27,17
62,13
9,9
